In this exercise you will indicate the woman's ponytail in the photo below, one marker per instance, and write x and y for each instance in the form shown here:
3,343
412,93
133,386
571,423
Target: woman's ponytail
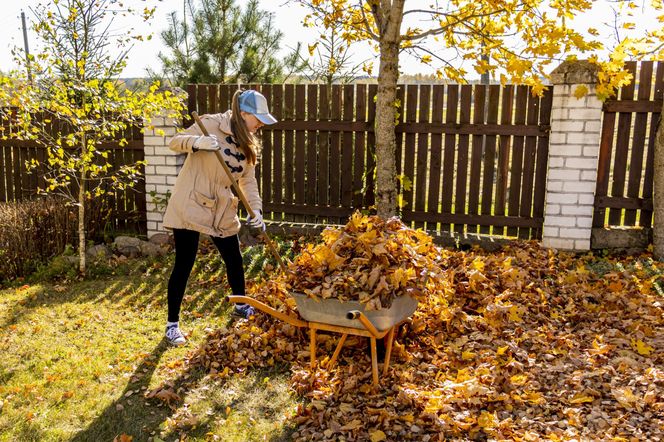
249,143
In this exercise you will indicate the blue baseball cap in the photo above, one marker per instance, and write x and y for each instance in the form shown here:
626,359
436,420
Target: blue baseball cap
254,102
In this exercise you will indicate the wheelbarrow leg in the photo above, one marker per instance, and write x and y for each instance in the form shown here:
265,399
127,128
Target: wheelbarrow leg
312,346
388,352
374,362
337,351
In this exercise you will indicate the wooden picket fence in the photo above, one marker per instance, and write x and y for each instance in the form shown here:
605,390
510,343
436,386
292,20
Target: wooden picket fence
472,158
623,196
123,210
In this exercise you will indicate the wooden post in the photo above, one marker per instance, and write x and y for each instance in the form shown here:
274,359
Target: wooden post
337,351
374,362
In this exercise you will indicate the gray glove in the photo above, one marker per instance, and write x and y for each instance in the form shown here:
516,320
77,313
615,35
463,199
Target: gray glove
207,143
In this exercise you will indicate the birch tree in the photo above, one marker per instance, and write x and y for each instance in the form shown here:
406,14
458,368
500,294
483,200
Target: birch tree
76,86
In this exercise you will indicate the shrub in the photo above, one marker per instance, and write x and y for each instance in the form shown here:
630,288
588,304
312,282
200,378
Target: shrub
32,232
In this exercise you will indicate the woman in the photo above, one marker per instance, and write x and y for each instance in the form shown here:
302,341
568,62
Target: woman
202,200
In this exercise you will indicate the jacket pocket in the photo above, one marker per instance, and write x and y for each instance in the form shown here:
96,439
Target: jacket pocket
201,209
228,219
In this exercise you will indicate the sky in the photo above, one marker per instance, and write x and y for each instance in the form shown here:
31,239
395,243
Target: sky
288,17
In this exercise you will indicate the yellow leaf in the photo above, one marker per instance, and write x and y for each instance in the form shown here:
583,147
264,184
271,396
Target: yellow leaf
377,436
478,264
580,91
486,420
581,398
467,355
407,417
519,379
641,347
501,350
514,314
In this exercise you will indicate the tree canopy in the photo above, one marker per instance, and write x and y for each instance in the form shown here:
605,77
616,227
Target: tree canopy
514,40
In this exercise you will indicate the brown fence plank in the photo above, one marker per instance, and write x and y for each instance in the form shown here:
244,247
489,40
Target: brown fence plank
516,169
479,99
359,150
323,148
191,98
638,141
335,150
482,220
201,98
433,200
490,156
644,105
417,127
449,168
604,165
266,163
347,147
312,147
504,143
622,147
300,163
409,147
461,187
213,99
277,142
529,157
370,197
658,95
541,162
420,183
289,144
225,95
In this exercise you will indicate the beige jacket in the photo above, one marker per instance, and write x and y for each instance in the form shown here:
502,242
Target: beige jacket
202,199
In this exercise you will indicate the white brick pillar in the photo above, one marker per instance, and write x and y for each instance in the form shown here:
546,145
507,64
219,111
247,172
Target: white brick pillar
573,155
162,168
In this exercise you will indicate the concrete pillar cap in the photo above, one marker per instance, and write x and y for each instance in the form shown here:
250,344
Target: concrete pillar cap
575,72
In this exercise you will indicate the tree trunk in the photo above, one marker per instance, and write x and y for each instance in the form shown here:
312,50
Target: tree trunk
658,193
388,20
81,218
386,190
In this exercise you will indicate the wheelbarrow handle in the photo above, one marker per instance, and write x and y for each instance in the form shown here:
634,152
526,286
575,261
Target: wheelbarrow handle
266,309
366,322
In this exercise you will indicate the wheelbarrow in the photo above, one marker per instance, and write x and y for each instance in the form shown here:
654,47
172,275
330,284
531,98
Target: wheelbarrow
347,318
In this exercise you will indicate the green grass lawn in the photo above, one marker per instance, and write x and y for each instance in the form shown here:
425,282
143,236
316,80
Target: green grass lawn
79,357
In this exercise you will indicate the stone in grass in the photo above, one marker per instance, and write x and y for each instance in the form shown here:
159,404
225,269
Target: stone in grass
98,251
160,239
128,246
151,249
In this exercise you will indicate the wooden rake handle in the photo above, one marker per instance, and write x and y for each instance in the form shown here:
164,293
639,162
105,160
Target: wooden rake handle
239,193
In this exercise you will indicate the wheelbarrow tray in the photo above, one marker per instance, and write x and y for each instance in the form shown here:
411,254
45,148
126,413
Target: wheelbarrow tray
332,311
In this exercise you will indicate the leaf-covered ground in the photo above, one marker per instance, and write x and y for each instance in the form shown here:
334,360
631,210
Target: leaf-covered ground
521,344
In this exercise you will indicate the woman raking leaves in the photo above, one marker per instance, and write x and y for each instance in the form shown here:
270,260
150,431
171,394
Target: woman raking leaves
202,200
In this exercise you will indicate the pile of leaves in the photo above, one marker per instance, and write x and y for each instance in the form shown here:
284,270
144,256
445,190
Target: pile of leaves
368,260
521,344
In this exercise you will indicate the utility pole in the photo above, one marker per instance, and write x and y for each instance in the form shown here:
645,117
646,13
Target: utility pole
25,43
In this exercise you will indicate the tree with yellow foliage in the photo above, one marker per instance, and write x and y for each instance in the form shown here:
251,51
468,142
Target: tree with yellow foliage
76,85
514,40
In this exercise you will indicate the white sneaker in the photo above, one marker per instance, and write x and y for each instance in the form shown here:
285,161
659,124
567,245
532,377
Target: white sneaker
175,336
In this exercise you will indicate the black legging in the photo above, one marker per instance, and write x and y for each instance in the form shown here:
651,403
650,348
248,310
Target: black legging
186,246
